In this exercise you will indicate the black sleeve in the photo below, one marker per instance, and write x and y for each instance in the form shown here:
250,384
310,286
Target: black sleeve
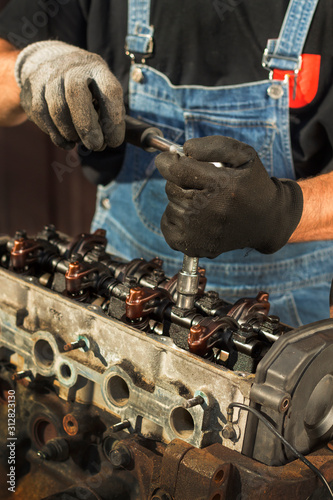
23,22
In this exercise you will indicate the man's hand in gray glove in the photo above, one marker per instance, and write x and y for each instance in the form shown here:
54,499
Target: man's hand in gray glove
71,95
213,210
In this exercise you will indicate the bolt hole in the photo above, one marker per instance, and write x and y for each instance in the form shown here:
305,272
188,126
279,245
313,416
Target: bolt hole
44,354
216,497
65,371
219,476
285,404
43,431
182,422
70,425
118,390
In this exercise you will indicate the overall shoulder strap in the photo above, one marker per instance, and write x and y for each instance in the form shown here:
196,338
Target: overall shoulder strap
139,38
285,52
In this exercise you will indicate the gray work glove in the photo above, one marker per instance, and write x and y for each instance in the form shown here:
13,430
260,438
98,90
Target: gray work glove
71,95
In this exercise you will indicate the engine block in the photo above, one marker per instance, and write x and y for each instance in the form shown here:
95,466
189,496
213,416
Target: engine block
120,393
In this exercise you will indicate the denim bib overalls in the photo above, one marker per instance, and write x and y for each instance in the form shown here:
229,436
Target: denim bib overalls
130,208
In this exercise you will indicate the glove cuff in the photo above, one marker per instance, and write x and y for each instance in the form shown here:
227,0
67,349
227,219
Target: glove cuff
38,53
287,210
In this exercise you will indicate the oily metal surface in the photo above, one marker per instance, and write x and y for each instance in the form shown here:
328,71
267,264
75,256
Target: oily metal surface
157,376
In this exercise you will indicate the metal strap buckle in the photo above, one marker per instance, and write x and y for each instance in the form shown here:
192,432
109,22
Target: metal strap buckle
148,54
266,56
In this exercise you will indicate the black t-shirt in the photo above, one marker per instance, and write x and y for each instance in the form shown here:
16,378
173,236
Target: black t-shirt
196,42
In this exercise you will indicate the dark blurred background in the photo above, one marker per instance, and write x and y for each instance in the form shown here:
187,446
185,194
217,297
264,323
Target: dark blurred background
41,184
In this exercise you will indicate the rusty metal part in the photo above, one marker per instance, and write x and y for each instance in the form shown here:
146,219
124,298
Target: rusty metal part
243,309
167,442
79,344
197,340
86,242
137,268
178,471
202,280
24,253
77,277
6,387
43,429
71,425
171,284
201,334
141,301
191,403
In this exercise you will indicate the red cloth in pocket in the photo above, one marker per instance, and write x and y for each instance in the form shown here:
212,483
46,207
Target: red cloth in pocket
307,80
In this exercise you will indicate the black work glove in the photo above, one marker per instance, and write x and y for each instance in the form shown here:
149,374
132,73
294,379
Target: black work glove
213,210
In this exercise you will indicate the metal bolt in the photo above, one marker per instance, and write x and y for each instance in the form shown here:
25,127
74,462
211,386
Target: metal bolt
50,228
22,374
75,258
157,261
228,432
20,234
99,249
190,403
75,345
120,456
94,308
106,204
274,319
56,449
42,455
137,75
245,329
158,273
130,281
120,426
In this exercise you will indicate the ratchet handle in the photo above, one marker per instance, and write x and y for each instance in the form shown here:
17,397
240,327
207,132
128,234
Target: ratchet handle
151,138
137,133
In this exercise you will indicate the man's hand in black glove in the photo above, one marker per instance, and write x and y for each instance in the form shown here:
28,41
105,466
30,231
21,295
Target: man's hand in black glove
213,210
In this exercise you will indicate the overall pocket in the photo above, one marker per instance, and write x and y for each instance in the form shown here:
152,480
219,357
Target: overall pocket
259,134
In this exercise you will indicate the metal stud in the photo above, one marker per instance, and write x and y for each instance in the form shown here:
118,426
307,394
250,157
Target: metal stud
106,204
275,91
137,75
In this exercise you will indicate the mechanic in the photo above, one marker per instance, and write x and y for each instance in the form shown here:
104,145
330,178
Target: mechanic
194,69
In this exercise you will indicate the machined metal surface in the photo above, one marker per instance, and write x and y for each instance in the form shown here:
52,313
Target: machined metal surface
135,376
